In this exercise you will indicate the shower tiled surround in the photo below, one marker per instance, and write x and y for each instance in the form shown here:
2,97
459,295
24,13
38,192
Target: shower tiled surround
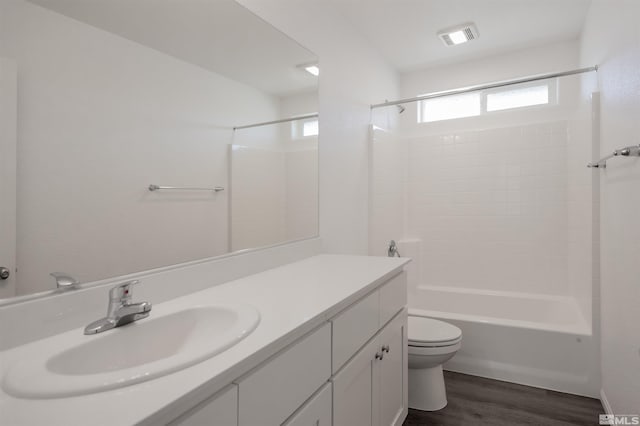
493,197
491,207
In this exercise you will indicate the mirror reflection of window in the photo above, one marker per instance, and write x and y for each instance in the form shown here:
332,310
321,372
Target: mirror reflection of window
304,128
310,128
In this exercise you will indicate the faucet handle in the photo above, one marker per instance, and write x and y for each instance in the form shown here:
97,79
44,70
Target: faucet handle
122,291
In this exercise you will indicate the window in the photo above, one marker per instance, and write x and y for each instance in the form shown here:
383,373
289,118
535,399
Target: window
517,98
304,128
449,107
310,128
487,101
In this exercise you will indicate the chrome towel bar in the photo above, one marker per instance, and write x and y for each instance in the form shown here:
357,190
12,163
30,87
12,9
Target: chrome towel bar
629,151
186,188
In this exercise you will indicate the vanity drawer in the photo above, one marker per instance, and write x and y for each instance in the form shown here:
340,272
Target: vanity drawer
219,410
353,327
270,394
316,412
393,297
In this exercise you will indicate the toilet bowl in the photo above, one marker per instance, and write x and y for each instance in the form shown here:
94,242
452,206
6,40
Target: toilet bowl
431,344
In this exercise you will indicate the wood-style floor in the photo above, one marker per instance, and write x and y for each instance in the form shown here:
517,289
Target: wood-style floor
479,401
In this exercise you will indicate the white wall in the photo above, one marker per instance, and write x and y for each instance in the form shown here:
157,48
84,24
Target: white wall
352,76
558,56
101,118
8,165
299,104
611,38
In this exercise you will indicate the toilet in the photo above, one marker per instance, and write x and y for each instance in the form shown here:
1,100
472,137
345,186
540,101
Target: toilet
431,344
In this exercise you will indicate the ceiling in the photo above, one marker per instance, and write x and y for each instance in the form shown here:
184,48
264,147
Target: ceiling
222,36
404,31
218,35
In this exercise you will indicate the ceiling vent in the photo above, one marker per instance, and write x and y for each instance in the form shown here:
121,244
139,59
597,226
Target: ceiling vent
459,34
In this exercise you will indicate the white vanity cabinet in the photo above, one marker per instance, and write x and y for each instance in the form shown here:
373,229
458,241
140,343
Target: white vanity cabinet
219,410
316,412
349,371
371,388
392,372
274,391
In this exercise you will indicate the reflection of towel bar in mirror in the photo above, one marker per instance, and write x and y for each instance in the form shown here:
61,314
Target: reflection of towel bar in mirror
629,151
187,188
284,120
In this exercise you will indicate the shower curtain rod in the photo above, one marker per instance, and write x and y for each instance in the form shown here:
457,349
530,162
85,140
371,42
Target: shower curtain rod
486,86
284,120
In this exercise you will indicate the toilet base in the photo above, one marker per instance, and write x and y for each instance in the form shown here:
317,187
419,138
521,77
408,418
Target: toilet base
427,391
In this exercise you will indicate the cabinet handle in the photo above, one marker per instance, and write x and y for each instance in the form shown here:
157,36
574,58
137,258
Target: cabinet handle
379,355
386,348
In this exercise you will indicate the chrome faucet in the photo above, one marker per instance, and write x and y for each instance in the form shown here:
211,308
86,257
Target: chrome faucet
392,250
121,311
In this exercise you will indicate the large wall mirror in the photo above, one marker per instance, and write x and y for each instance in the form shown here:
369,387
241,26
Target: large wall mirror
137,134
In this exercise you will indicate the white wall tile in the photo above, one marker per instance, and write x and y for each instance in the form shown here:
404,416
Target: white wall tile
495,216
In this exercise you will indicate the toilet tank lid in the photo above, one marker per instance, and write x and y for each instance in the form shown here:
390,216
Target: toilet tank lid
428,330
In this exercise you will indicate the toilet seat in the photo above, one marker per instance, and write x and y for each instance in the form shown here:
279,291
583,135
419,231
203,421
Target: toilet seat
427,333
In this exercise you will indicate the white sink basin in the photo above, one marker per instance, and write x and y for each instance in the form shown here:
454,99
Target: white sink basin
137,352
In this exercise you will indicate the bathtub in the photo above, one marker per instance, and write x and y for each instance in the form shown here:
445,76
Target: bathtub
532,339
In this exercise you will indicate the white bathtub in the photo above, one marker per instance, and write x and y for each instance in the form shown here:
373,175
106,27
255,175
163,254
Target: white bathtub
536,340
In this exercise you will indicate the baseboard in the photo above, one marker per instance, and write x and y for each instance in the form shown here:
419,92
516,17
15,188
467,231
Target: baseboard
402,417
605,402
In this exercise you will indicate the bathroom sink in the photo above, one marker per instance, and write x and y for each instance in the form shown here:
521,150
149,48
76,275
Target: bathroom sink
137,352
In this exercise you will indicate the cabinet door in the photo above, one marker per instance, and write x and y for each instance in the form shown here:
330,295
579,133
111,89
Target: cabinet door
353,389
393,389
316,412
393,297
353,327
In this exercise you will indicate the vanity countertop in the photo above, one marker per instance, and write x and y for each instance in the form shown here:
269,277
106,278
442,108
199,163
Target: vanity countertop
292,300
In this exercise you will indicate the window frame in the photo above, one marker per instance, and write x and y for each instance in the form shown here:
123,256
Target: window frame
552,90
